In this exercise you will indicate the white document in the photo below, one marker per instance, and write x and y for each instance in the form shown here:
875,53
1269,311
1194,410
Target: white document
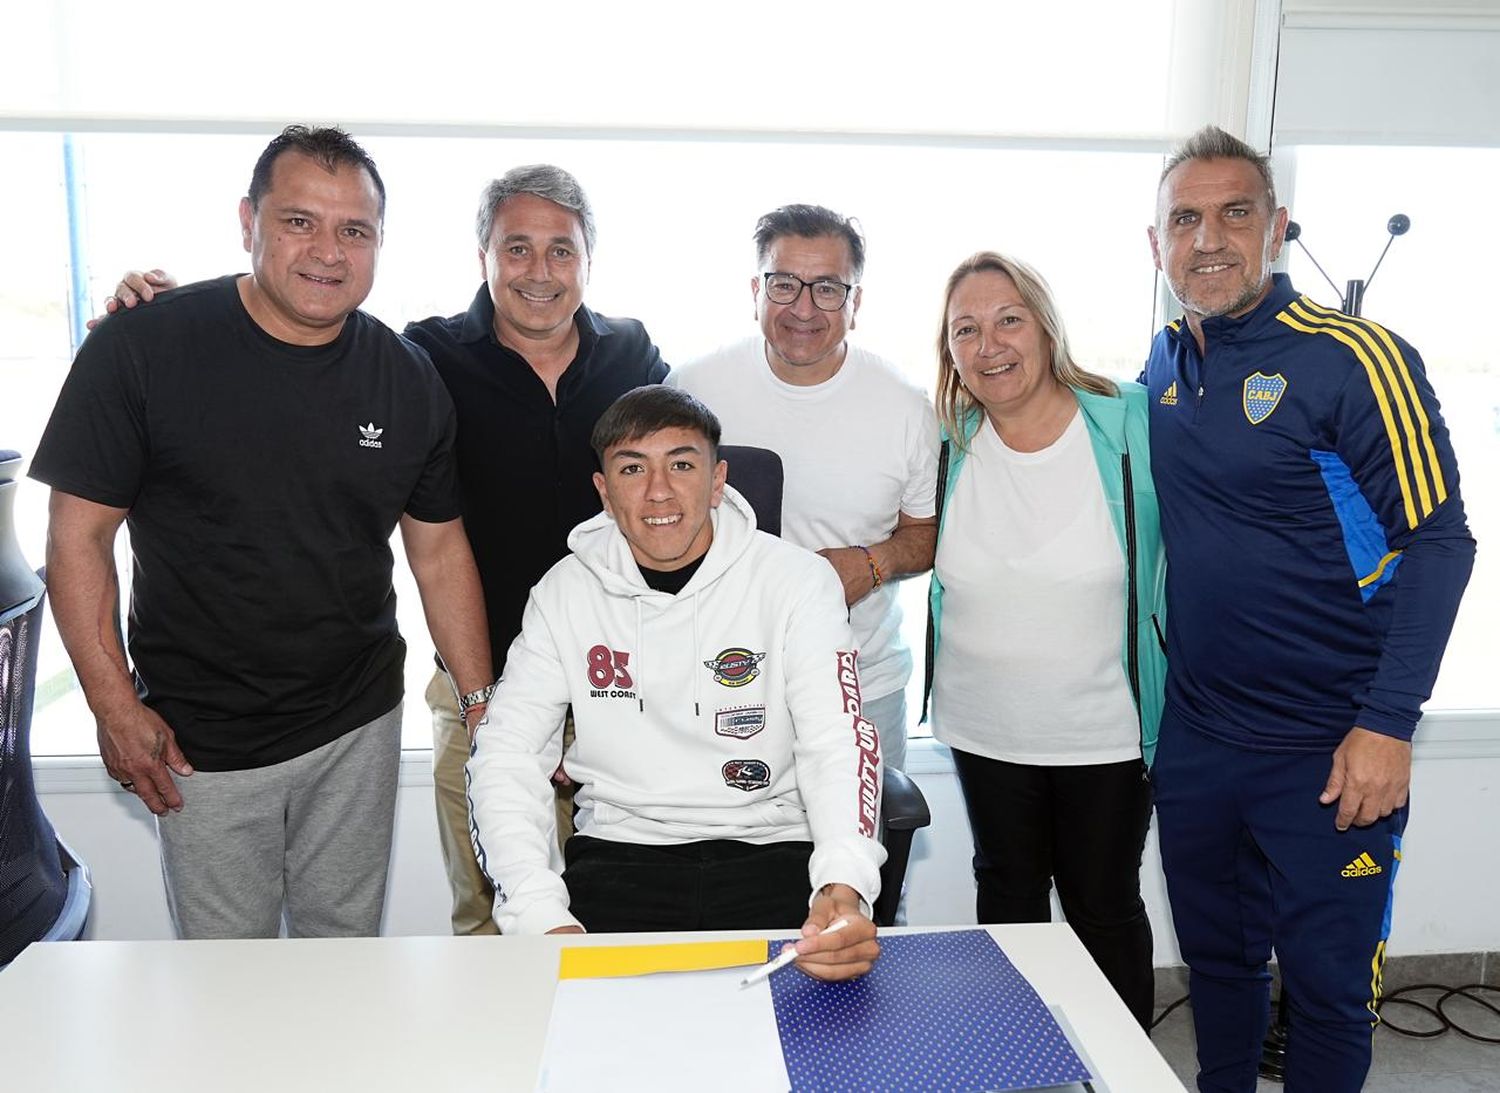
687,1031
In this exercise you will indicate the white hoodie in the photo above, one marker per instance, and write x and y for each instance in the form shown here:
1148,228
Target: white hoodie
727,711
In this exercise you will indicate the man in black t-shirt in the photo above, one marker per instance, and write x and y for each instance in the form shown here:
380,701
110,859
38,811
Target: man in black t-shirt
262,438
530,369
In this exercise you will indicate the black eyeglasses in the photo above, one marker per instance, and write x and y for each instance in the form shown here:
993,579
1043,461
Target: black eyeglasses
784,288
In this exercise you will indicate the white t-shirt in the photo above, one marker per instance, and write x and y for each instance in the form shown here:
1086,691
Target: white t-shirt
856,450
1028,662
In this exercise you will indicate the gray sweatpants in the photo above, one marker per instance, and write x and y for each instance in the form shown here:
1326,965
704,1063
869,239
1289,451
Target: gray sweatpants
310,836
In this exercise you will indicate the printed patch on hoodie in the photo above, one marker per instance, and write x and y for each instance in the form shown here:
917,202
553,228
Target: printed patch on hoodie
735,666
747,774
609,673
740,722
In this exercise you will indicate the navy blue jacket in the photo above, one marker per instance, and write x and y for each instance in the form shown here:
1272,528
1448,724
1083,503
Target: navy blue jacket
1316,543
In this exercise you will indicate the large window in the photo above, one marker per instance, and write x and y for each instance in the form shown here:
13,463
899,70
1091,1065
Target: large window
1434,288
674,250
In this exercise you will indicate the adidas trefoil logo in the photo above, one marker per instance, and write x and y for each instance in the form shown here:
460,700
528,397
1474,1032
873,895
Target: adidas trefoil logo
1362,866
370,436
1169,396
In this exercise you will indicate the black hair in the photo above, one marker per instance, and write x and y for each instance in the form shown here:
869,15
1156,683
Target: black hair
647,410
330,146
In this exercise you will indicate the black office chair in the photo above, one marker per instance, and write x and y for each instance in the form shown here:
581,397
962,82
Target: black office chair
757,474
45,889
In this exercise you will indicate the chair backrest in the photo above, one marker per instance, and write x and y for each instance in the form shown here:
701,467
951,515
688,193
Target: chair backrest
42,895
33,883
20,589
756,473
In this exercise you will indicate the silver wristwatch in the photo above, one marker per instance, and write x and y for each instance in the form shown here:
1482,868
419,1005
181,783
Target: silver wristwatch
474,698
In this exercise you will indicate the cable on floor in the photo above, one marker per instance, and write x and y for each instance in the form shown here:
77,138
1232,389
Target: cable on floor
1441,1019
1437,1011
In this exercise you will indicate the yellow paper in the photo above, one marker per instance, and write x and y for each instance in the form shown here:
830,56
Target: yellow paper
610,961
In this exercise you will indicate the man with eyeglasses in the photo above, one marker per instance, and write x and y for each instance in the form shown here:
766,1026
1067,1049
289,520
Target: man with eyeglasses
857,441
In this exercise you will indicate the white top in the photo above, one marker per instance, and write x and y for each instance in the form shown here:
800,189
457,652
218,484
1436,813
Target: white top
856,450
1028,663
726,711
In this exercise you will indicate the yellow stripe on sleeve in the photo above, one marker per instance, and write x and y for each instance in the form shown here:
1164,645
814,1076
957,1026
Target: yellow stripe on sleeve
1421,412
1398,375
1381,402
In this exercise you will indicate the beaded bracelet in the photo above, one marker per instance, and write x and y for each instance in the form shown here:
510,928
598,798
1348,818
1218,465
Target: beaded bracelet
874,568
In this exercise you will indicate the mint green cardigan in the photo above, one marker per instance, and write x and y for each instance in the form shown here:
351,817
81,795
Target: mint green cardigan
1117,428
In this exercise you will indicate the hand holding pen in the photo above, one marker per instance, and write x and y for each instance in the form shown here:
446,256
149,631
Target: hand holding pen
845,953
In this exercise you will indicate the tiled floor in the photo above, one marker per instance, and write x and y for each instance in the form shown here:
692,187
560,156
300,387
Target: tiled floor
1450,1063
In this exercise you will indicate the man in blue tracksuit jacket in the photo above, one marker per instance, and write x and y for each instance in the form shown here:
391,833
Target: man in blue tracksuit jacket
1317,551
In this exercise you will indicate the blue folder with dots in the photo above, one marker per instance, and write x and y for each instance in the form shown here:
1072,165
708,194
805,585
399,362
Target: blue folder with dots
939,1011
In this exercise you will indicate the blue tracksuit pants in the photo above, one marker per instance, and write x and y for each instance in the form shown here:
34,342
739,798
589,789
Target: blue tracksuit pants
1253,862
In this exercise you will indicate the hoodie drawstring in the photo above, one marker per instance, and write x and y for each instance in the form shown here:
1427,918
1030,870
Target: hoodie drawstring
640,658
696,681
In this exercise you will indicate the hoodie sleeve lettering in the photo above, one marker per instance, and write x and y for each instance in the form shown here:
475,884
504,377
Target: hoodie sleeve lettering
837,750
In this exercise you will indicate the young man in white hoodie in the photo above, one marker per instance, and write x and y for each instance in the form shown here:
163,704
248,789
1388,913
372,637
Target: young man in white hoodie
727,778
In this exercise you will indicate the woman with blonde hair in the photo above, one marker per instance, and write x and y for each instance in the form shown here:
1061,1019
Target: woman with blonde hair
1044,655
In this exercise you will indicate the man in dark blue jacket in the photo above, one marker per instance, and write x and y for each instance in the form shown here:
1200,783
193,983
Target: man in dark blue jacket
1317,551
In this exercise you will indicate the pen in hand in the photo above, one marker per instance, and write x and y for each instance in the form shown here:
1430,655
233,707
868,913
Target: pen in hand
788,956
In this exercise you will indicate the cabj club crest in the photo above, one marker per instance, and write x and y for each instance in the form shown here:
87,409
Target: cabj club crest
1262,395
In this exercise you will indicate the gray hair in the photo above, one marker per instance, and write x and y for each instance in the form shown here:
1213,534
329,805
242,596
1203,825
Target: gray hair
540,180
1211,142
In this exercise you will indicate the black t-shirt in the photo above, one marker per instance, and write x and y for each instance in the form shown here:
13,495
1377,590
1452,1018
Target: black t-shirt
670,580
525,465
263,482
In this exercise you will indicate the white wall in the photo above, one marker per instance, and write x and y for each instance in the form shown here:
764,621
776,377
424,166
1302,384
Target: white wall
1445,899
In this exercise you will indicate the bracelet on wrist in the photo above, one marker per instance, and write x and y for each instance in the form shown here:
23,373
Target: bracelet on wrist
474,698
874,566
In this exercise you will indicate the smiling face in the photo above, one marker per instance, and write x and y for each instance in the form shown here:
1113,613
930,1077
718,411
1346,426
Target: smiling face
1003,355
314,240
804,345
536,265
660,490
1216,236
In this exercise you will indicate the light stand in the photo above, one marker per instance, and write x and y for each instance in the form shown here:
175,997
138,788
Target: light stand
1352,299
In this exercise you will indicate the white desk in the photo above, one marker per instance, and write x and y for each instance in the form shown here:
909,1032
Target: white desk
408,1015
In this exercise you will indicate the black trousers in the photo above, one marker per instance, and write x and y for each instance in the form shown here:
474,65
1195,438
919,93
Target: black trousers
616,887
1083,826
